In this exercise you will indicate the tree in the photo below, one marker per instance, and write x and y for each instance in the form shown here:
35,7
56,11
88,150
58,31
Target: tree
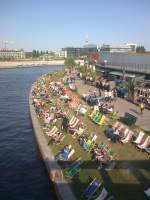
34,53
131,85
37,53
70,63
140,49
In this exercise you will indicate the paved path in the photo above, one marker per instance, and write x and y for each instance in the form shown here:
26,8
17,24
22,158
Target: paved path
122,106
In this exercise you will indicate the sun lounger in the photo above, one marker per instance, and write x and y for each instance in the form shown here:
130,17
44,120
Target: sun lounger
128,138
103,120
91,189
102,195
139,138
92,114
58,138
71,154
74,124
52,132
73,169
98,118
72,120
78,132
145,144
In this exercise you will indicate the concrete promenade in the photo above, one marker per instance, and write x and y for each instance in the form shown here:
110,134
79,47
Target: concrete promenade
122,106
62,188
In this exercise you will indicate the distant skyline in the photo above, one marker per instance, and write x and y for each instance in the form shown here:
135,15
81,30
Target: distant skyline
53,24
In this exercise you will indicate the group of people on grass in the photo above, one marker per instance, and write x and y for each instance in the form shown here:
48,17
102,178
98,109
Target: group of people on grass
50,110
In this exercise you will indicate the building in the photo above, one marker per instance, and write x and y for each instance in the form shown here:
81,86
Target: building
131,62
60,54
81,52
12,54
128,47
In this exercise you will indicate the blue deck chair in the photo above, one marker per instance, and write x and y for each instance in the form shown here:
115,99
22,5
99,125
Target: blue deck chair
91,189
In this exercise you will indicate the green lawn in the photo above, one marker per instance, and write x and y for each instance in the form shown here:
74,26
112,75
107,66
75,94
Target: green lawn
126,182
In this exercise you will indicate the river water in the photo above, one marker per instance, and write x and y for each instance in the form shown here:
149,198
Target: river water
22,173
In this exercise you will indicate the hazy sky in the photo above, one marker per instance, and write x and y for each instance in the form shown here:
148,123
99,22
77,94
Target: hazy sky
53,24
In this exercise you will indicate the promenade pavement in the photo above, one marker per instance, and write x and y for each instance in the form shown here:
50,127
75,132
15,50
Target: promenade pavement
121,105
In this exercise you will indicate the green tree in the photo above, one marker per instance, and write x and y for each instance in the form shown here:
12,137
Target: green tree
70,63
34,53
140,49
37,53
131,86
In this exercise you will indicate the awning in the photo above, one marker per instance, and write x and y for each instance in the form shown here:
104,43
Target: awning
127,75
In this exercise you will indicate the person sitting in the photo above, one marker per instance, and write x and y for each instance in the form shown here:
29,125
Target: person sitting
109,132
63,155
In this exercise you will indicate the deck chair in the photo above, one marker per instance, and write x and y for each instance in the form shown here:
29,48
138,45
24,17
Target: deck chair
103,120
123,132
58,138
89,146
52,132
72,120
114,116
91,189
79,132
74,124
128,138
139,138
73,170
98,118
145,144
72,152
95,116
92,114
102,195
111,153
101,145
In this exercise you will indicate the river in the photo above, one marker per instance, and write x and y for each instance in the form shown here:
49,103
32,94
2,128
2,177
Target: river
22,173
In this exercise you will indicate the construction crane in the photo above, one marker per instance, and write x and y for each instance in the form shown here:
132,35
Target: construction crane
5,43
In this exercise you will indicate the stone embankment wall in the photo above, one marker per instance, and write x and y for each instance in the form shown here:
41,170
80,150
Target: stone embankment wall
19,64
63,190
27,63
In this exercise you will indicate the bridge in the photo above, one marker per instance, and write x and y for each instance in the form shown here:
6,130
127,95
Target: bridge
138,69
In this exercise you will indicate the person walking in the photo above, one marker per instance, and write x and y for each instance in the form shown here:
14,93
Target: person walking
142,106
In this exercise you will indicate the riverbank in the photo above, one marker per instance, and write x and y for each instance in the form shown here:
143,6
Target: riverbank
62,188
19,64
31,63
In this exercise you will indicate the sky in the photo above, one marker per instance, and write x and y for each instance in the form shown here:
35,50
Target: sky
53,24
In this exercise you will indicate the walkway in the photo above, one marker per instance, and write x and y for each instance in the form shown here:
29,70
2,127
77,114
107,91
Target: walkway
122,106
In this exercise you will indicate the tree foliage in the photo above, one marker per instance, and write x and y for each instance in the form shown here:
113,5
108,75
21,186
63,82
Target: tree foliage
140,49
86,70
70,63
131,86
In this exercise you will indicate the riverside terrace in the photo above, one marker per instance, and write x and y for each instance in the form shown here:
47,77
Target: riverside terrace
127,178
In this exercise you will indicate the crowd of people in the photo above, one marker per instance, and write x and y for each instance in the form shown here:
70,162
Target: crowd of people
49,109
54,101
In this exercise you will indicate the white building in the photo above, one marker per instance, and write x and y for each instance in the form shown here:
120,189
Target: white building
12,54
125,48
60,54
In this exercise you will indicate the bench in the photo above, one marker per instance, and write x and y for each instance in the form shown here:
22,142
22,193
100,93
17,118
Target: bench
129,119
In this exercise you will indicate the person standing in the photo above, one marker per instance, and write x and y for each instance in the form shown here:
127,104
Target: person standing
142,106
65,123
